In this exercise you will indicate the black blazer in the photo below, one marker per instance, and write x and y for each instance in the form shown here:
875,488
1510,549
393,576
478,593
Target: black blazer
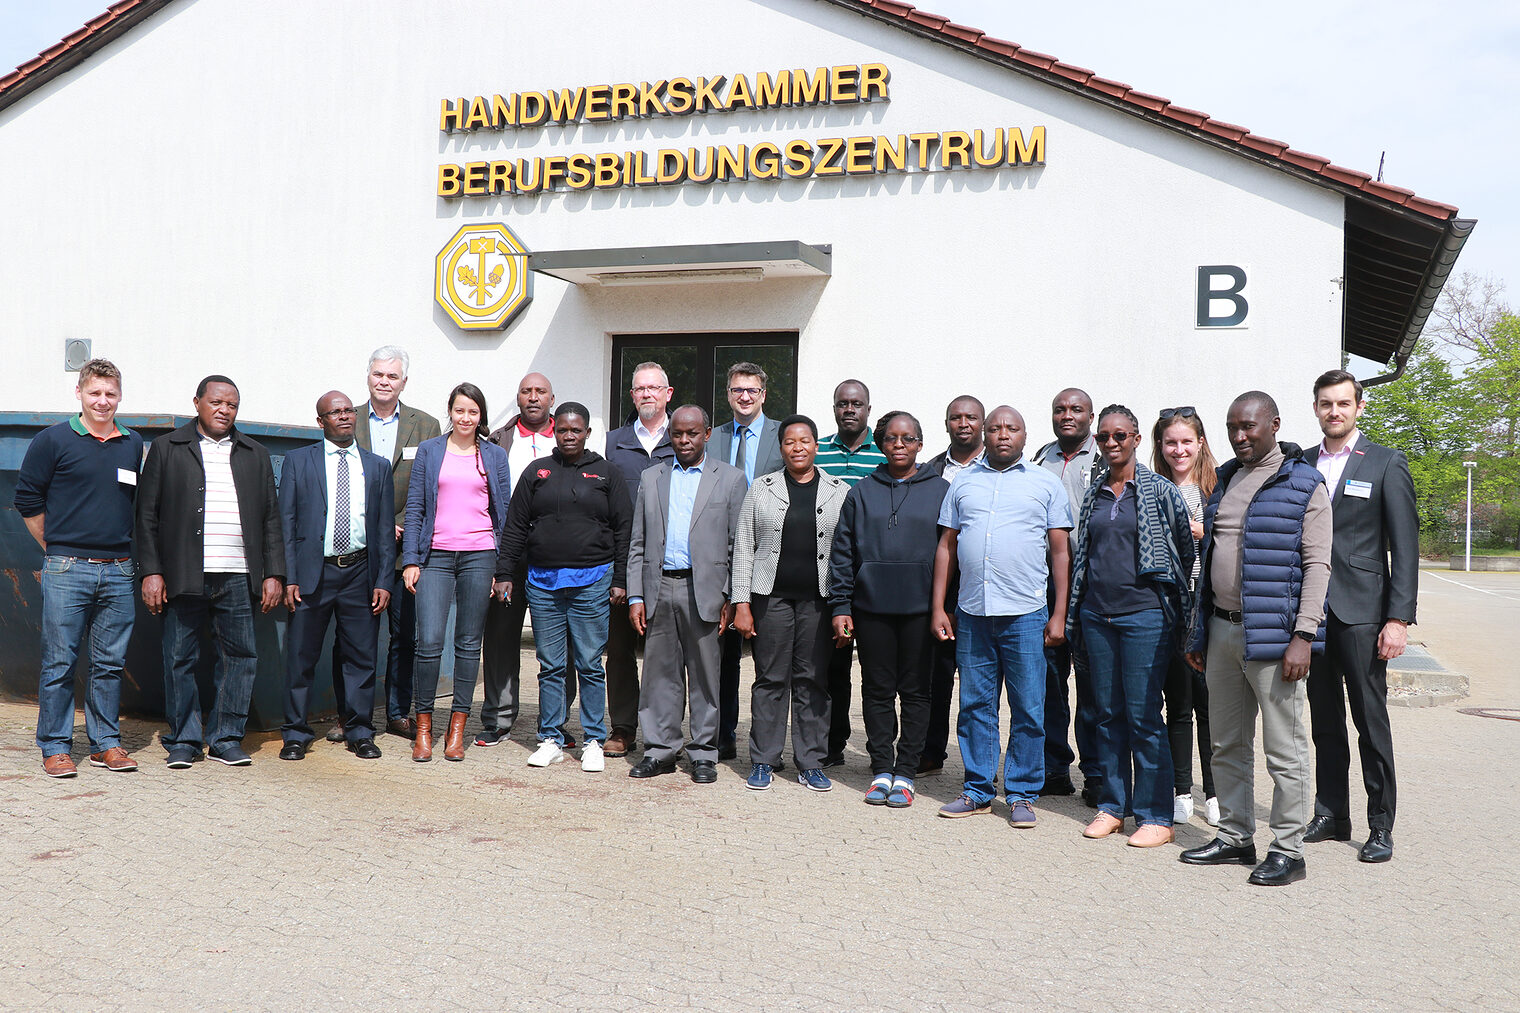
304,508
1364,588
171,504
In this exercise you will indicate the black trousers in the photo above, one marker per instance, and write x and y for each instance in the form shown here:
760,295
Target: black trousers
622,670
1187,694
1350,660
839,696
501,658
896,653
793,643
941,695
343,594
728,686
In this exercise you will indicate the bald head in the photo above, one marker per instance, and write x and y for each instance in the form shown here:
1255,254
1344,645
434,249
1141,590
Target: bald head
1071,417
336,416
1004,437
535,401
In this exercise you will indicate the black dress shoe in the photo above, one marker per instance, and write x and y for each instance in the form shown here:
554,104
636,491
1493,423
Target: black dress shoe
1379,846
1277,869
335,734
293,751
1090,793
1219,852
704,771
1328,828
650,767
365,749
728,750
1059,784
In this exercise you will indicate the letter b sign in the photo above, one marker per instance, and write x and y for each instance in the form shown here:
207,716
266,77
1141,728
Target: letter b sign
1220,303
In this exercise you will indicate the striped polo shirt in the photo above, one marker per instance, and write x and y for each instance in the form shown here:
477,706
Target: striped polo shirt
848,465
223,538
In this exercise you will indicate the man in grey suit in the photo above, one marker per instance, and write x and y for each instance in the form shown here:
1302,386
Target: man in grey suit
751,444
678,584
1370,610
392,430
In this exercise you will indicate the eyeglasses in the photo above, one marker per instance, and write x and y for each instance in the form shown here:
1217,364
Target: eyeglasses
751,391
338,413
1111,437
649,389
906,441
1187,411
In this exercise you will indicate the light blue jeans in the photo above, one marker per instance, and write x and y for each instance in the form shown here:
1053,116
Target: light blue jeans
994,652
570,625
83,602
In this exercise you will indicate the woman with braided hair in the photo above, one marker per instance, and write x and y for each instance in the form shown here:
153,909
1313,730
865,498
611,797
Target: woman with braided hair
1130,599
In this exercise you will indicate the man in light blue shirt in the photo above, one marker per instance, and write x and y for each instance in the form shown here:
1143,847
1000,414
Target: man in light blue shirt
998,522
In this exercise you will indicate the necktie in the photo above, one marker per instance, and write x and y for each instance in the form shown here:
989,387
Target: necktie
340,508
740,432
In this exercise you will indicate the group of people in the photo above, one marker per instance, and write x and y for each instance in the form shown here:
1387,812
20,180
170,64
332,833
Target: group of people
1172,595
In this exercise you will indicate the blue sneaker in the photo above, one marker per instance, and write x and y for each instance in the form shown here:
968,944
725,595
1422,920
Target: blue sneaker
815,779
759,777
964,806
881,787
181,757
1021,815
232,755
901,795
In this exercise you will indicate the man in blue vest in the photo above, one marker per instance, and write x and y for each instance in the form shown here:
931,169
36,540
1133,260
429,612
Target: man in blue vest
1261,612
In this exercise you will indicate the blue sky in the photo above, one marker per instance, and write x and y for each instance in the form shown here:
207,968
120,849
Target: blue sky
1431,85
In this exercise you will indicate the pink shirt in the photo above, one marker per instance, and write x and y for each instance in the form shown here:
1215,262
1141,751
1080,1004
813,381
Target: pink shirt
1333,466
463,523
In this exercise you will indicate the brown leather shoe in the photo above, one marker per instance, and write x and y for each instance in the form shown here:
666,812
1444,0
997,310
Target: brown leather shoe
402,727
1103,825
453,746
616,745
115,758
1150,836
59,765
422,745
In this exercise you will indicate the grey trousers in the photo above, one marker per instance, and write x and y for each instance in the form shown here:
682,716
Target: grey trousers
1238,689
794,640
682,657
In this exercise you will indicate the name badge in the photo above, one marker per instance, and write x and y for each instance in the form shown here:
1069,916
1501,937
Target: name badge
1361,490
408,453
126,476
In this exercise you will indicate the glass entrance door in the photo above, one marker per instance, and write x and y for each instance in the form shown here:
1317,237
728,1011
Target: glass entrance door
697,365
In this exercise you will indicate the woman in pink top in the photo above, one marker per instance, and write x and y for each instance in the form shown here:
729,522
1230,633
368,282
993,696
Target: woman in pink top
456,505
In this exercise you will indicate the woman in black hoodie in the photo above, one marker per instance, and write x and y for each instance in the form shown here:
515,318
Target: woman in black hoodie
881,570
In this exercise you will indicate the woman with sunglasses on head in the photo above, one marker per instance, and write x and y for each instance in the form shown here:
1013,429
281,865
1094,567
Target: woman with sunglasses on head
456,506
1180,452
1130,596
881,575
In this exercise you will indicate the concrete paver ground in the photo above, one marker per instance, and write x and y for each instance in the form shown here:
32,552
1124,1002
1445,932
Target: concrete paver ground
347,884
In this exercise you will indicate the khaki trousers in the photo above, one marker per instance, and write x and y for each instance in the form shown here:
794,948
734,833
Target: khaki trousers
1238,689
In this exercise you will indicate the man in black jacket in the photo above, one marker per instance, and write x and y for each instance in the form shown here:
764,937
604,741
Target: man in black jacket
641,444
208,528
1370,610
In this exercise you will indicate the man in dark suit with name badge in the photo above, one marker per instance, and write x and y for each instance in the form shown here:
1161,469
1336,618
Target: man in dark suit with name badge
338,510
1371,606
678,583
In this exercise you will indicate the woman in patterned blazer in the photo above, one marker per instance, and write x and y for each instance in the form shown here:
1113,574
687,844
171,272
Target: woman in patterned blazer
780,592
1130,599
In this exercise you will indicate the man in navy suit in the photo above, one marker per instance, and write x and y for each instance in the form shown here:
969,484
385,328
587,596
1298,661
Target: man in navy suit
338,509
1371,607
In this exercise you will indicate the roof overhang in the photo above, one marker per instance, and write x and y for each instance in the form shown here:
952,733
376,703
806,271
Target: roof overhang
684,265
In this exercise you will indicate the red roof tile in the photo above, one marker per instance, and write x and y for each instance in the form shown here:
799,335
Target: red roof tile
124,13
1154,105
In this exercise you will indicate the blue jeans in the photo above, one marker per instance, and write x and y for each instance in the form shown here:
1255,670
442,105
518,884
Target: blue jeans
226,600
1129,655
83,602
463,580
994,651
571,624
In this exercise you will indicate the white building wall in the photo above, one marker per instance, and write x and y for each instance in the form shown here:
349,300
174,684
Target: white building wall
249,189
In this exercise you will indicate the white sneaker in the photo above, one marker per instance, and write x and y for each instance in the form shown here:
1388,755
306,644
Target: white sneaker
591,758
1182,809
548,752
1211,811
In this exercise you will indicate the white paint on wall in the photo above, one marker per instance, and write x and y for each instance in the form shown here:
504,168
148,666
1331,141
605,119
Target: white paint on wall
249,189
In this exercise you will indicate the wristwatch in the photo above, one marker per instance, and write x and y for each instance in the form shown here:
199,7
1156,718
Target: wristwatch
1304,636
